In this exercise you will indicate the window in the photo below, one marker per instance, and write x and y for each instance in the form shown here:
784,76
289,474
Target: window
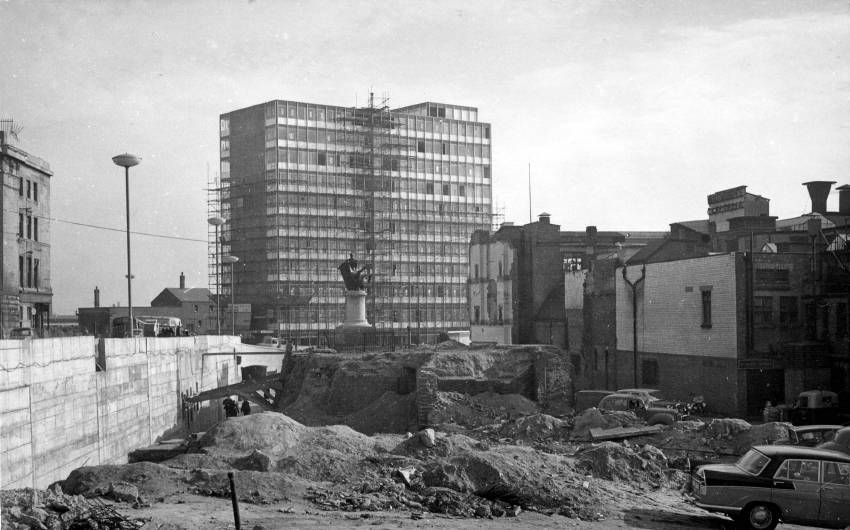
29,227
461,190
21,277
476,270
477,314
20,225
802,470
446,189
763,310
429,188
649,371
35,191
706,307
29,271
196,308
836,473
21,187
788,310
35,273
29,189
420,146
35,228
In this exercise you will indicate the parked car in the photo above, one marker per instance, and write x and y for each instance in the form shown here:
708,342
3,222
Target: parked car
839,442
21,333
773,483
809,435
641,407
586,399
653,396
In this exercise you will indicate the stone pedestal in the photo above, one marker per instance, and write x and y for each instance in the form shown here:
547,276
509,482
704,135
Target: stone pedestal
351,332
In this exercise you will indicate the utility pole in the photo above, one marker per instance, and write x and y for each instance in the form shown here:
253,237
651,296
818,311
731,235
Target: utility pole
634,286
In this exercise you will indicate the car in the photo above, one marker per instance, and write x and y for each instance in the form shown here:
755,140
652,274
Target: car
839,442
652,395
21,333
641,407
809,435
773,483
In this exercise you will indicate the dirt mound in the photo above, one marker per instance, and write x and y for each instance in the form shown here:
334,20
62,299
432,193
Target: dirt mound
516,475
481,409
390,413
593,418
336,453
444,445
612,461
536,427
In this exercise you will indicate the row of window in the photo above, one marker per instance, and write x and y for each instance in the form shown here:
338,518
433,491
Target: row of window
345,140
27,226
385,269
403,313
349,118
28,271
399,248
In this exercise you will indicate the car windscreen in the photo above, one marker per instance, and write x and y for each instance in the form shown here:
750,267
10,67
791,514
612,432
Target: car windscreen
753,462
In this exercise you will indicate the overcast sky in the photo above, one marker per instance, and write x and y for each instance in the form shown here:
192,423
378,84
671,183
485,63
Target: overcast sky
629,113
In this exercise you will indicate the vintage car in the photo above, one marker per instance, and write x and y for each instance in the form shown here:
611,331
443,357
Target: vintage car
809,435
585,399
839,442
642,408
653,396
773,483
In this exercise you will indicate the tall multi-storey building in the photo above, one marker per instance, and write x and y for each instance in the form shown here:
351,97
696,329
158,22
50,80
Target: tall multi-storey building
304,185
24,222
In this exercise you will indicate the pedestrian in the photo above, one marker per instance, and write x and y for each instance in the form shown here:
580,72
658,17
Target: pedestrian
230,408
246,407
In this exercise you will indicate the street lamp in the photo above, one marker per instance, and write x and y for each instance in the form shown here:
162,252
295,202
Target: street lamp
216,222
232,261
127,161
634,286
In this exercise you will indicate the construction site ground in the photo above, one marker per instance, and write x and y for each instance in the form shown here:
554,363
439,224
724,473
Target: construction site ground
492,460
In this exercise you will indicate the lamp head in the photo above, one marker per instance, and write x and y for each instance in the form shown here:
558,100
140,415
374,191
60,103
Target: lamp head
215,221
229,259
126,160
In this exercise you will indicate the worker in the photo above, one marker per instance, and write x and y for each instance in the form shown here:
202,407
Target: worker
246,407
230,408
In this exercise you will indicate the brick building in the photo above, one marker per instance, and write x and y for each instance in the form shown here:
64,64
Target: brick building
26,295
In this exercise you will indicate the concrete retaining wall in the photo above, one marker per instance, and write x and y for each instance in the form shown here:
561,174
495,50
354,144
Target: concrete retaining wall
61,409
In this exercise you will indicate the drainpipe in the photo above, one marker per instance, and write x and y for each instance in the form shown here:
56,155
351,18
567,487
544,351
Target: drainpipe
634,286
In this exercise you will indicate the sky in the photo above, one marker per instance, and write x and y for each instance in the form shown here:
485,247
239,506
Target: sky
629,113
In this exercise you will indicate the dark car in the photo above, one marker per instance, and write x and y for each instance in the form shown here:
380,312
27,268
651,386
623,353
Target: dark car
809,435
642,407
773,483
839,442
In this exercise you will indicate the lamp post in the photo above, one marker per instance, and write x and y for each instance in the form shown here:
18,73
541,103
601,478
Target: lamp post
127,161
216,222
634,286
232,261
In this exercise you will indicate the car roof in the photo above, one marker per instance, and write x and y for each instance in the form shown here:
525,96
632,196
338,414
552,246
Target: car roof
793,451
619,395
626,390
804,428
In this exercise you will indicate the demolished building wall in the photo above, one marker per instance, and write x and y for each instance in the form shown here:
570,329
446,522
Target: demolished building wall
73,401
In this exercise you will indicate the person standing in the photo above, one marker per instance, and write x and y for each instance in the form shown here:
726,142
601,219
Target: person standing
230,408
246,407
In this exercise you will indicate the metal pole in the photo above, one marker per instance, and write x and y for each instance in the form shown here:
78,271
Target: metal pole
129,273
217,288
234,501
634,318
232,306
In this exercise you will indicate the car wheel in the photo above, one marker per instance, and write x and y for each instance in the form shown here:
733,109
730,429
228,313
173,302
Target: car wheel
759,516
661,419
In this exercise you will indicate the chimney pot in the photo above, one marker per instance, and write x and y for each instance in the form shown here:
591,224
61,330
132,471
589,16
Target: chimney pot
844,199
543,218
96,296
182,281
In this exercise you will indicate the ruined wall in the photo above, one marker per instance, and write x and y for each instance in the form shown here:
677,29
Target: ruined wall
69,402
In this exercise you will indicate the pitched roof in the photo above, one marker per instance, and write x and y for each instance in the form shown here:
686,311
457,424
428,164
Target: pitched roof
195,294
700,225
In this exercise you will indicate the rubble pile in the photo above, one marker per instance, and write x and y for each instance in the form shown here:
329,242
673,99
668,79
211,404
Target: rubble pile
724,437
594,418
535,428
487,408
646,465
52,508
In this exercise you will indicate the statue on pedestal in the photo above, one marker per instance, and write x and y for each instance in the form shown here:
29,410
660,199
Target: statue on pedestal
355,279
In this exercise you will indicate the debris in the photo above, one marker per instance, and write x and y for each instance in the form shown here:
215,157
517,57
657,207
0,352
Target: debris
427,437
618,433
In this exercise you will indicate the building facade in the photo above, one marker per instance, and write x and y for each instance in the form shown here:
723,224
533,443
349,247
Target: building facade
303,186
25,224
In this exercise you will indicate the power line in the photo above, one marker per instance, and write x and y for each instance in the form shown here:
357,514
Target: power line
132,232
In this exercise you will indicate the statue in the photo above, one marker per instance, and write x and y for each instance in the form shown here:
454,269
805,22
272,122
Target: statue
355,279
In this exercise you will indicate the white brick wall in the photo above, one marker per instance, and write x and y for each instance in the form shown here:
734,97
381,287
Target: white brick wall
670,307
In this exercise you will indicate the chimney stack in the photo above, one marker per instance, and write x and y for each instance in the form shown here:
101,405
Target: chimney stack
818,192
543,218
96,296
182,281
844,199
